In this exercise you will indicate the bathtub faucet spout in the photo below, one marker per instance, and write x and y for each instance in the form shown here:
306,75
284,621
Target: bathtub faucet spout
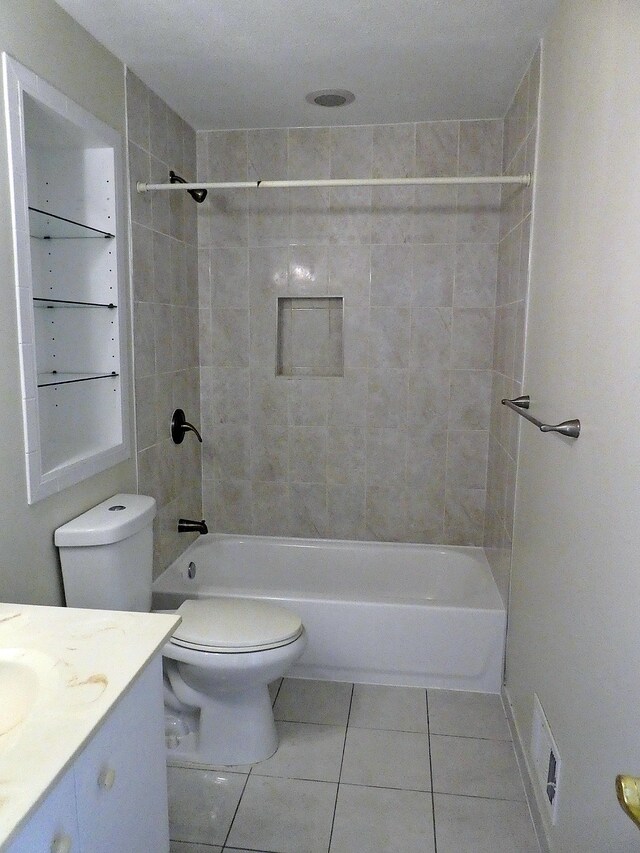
186,525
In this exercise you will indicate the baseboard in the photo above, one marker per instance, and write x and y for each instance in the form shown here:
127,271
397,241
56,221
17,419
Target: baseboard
525,772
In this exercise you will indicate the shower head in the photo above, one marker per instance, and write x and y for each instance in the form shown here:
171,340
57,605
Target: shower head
196,195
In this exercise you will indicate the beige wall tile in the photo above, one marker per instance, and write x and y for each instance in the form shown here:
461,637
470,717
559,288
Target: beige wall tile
394,150
437,148
269,453
433,275
363,455
351,152
520,129
309,153
166,317
480,151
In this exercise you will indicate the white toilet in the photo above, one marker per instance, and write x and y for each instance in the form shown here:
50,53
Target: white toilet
221,657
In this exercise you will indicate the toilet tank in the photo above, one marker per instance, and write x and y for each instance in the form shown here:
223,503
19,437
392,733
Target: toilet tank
106,555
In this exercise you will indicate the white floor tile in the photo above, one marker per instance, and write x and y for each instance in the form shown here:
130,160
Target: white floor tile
379,820
306,751
387,759
383,801
202,803
284,815
480,715
483,826
302,701
397,708
476,768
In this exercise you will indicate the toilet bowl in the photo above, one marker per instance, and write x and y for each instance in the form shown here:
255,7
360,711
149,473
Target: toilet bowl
222,656
219,663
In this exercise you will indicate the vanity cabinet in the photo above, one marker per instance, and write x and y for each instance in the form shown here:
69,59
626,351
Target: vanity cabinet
67,182
54,826
114,797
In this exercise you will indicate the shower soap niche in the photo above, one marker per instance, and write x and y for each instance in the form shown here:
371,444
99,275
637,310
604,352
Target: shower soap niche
67,194
310,336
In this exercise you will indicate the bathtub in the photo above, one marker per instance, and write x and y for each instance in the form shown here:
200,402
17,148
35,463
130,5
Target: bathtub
375,613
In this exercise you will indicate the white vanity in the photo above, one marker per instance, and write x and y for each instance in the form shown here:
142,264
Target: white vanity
82,758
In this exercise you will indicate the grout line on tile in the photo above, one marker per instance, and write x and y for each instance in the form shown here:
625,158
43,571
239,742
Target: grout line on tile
384,729
244,788
396,788
311,723
247,850
433,802
523,801
473,737
297,778
275,698
344,744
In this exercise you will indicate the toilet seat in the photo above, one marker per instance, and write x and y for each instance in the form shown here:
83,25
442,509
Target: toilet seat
234,625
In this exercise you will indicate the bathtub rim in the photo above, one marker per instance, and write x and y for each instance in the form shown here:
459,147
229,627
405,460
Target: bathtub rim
491,595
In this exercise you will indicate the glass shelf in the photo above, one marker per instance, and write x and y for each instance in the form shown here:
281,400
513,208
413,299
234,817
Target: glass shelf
43,302
45,380
48,226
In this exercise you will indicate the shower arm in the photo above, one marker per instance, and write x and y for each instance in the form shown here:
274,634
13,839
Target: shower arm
197,194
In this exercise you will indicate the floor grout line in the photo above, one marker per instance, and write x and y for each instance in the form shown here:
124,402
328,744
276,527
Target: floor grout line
244,787
344,746
480,797
472,737
275,698
433,802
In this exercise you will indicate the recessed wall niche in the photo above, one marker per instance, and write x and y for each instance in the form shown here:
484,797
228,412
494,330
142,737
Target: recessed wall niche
67,191
309,336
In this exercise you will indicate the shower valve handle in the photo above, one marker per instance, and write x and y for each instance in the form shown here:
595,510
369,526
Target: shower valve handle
180,426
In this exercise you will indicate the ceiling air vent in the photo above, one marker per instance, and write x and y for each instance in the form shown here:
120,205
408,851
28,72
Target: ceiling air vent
331,97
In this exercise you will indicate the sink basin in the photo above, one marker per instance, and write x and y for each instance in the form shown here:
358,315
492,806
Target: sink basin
21,681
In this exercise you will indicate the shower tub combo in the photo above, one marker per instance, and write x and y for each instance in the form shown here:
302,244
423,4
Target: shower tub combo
375,613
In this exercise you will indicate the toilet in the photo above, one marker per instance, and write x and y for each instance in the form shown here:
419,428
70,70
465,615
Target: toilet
221,658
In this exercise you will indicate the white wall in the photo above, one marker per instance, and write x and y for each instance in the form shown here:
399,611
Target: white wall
41,36
574,624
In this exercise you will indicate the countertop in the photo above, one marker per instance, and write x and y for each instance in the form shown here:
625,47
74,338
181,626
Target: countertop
83,661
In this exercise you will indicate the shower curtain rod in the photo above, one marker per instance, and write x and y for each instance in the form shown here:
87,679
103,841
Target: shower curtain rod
523,180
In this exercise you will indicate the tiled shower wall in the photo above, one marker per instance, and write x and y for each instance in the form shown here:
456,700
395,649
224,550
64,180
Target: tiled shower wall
397,448
520,129
165,315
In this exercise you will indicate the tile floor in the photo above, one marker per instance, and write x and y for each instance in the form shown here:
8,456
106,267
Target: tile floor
363,769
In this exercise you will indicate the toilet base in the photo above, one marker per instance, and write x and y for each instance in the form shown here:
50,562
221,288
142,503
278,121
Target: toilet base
233,728
237,727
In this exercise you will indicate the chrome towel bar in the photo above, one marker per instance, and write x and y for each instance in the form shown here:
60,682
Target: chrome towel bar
520,404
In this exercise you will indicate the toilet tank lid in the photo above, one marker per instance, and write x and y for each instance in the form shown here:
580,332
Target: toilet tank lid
110,521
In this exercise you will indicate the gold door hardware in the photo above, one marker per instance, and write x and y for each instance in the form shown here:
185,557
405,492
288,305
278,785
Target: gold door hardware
628,791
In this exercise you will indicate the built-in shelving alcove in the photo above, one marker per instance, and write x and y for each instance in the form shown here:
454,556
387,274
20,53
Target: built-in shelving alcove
67,195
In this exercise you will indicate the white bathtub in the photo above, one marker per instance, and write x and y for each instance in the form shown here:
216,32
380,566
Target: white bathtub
375,613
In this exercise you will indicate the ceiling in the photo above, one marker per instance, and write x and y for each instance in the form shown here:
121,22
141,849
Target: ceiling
232,64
